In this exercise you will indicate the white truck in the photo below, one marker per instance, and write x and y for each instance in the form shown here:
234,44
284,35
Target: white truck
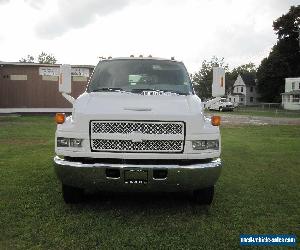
219,104
138,127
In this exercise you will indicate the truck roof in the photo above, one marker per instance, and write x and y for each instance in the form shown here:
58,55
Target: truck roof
141,58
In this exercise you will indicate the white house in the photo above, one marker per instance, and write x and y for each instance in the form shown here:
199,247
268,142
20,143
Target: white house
291,95
244,90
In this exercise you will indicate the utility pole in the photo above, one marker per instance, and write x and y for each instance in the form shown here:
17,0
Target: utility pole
299,36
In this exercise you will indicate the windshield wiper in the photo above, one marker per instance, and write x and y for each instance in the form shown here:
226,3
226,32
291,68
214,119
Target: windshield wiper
107,90
141,90
156,90
173,92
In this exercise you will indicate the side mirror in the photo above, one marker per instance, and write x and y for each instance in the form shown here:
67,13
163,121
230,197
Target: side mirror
218,85
65,79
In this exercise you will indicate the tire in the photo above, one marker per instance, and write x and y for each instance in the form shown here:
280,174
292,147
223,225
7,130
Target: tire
204,196
72,195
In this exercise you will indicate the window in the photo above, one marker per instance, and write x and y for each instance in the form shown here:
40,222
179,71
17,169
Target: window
251,89
79,78
18,77
230,99
140,75
251,99
233,99
296,98
242,99
299,86
50,78
242,89
293,85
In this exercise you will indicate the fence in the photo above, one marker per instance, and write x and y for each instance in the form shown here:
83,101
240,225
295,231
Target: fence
262,106
275,108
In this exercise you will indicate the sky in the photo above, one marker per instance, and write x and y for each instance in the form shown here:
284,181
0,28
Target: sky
81,31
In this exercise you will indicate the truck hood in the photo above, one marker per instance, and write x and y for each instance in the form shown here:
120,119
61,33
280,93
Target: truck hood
136,107
131,106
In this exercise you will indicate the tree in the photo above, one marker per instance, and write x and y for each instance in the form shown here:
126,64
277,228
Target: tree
46,58
244,69
284,58
203,78
42,58
29,59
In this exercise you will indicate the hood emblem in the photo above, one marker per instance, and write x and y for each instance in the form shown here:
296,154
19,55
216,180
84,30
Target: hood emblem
136,136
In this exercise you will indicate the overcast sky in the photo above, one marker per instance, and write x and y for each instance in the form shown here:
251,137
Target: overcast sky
79,31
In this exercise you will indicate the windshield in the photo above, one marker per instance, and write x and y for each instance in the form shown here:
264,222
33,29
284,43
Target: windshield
138,75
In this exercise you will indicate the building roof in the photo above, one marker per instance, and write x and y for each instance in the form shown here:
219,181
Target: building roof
293,92
248,79
292,78
43,64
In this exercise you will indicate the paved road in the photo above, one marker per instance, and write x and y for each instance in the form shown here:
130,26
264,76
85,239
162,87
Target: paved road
231,119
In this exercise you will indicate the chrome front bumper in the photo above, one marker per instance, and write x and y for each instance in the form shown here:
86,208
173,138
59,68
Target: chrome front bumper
137,177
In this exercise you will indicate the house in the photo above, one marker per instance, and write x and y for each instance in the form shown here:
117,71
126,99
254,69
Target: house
244,91
291,95
33,87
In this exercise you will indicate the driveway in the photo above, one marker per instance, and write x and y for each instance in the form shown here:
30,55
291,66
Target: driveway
231,119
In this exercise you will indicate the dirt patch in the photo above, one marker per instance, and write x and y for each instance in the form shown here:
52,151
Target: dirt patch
239,120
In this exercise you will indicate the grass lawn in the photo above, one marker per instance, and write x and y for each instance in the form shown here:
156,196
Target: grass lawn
258,192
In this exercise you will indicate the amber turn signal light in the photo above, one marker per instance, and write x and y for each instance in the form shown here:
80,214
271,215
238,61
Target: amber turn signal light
60,118
216,120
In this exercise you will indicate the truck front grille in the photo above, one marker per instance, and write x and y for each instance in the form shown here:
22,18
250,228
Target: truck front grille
137,136
144,146
143,127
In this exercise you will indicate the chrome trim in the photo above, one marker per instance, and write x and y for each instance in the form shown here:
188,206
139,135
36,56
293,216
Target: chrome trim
187,177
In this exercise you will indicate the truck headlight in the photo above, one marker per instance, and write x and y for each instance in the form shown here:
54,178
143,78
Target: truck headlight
62,142
68,142
205,144
75,142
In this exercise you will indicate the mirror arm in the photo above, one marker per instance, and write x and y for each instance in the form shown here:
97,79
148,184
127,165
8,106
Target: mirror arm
68,98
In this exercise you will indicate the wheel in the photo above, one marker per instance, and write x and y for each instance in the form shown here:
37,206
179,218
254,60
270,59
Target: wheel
72,194
204,196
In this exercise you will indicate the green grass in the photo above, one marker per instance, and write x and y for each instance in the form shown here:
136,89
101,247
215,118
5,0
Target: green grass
258,192
252,111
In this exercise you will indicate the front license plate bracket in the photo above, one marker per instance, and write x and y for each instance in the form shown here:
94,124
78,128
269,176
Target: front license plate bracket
136,176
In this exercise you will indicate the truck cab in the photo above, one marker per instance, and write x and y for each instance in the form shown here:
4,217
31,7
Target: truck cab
139,126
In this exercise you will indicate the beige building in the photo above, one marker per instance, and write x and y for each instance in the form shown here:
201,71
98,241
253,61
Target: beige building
244,91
